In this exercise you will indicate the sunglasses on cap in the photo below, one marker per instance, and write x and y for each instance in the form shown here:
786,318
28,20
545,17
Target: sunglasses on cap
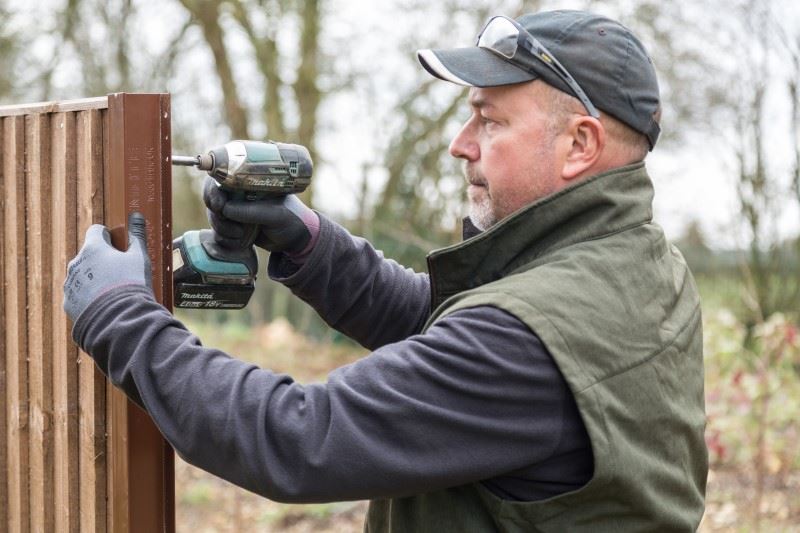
505,37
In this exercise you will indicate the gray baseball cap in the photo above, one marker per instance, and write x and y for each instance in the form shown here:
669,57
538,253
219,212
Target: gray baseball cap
594,58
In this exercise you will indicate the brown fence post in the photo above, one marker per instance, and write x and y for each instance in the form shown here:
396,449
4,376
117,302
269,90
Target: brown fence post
139,179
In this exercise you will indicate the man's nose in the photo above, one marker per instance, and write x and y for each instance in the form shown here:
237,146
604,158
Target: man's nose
463,144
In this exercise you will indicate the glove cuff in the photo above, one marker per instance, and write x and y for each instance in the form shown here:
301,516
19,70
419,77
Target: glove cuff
86,317
311,220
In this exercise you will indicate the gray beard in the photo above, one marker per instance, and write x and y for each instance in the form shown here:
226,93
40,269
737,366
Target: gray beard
482,215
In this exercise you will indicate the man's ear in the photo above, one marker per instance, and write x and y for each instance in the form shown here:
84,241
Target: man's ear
588,140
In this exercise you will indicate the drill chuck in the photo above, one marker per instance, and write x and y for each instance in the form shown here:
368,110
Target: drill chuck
202,161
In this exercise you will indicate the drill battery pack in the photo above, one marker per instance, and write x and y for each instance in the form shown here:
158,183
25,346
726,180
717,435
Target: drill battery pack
206,276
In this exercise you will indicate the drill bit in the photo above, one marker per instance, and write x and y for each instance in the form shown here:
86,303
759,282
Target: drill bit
201,161
185,160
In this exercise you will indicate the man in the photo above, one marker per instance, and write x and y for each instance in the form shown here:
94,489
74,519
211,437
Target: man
546,375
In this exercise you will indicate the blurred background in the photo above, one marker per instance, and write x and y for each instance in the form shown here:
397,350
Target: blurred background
341,77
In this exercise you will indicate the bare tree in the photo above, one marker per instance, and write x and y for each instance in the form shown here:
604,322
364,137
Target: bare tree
306,87
770,271
764,84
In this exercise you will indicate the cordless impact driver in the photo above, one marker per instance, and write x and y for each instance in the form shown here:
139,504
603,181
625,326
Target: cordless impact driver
207,275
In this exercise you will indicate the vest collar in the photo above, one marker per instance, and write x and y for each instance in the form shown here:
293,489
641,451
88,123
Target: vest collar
601,205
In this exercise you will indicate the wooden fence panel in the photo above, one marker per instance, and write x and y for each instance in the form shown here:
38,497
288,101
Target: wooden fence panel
77,456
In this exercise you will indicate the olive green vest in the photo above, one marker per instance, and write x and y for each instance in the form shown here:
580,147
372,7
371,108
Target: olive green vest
616,306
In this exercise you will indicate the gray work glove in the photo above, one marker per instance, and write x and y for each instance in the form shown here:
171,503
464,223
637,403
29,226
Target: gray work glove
99,267
284,223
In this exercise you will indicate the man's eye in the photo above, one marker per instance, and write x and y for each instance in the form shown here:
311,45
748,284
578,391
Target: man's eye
487,120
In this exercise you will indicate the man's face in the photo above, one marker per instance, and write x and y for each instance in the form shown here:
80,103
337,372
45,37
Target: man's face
508,151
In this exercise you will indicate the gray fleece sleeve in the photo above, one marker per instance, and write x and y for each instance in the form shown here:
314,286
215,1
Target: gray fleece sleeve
475,397
372,300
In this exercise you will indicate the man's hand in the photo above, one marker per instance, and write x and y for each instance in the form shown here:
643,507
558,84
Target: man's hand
99,267
284,223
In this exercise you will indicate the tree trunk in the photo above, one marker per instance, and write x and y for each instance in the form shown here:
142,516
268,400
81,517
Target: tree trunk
266,52
206,12
305,87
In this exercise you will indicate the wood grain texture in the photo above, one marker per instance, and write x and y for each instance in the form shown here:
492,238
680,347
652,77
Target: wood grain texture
65,353
40,307
15,327
165,246
100,102
116,417
3,354
92,390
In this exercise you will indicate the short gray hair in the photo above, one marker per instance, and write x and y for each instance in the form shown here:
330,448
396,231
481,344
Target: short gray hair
625,138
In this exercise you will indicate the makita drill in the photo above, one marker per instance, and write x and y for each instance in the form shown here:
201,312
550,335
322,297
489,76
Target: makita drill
207,275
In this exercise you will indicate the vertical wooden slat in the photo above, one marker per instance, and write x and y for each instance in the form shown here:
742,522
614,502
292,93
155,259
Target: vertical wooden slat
116,414
92,457
115,214
14,330
40,302
65,353
3,355
137,150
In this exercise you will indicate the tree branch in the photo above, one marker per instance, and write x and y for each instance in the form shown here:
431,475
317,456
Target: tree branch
266,51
